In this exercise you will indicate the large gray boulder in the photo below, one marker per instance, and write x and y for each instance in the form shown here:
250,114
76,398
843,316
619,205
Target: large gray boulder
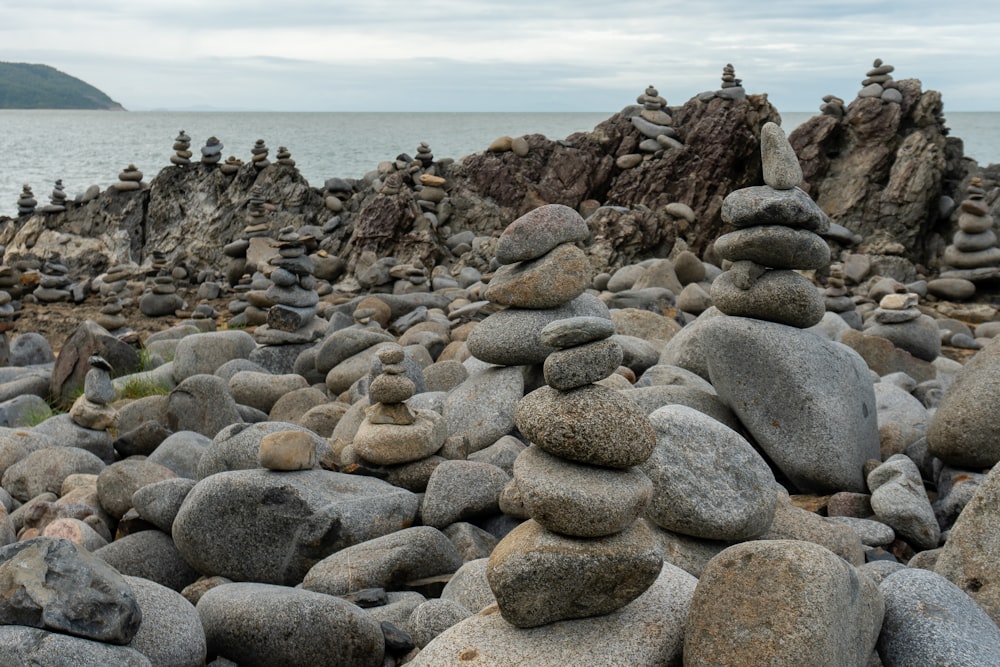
171,633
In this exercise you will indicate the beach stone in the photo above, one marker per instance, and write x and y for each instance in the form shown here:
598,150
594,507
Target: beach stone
644,633
482,407
930,621
30,349
180,452
795,523
262,625
469,586
579,500
578,366
753,363
171,632
262,390
920,337
159,502
781,166
237,446
288,520
117,482
44,470
969,556
388,562
775,246
471,541
205,353
53,585
575,331
540,577
149,554
778,295
708,481
763,205
391,444
201,403
782,602
960,432
538,231
899,500
555,278
287,450
433,617
511,337
21,645
461,490
74,530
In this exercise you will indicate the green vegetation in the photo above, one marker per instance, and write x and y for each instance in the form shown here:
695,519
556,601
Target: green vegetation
36,416
24,86
141,386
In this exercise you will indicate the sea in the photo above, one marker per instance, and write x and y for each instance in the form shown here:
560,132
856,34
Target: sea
91,147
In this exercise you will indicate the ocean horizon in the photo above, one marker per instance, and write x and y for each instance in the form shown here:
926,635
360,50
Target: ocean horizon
84,148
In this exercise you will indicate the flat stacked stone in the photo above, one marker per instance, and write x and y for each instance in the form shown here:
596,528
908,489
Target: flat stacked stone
231,165
392,433
93,410
837,298
259,155
430,197
115,280
26,203
129,179
582,553
110,315
57,200
898,319
54,283
655,123
424,155
284,157
211,152
973,254
732,88
879,83
161,298
832,106
778,231
182,150
292,317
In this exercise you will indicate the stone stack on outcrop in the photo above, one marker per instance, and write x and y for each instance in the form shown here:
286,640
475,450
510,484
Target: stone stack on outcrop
879,83
26,203
973,254
129,179
778,232
424,155
284,157
57,200
292,317
182,150
211,152
732,88
837,298
832,106
93,410
160,298
654,122
231,165
582,553
110,315
259,155
898,319
54,282
430,197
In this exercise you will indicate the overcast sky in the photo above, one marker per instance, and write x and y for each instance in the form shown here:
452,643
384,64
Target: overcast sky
470,55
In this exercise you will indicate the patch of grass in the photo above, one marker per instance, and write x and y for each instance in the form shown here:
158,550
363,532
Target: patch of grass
141,387
36,415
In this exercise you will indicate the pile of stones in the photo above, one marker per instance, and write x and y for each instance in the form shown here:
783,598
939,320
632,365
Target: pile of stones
292,318
110,315
284,157
182,150
879,83
54,283
430,197
161,298
231,165
211,152
424,155
93,410
832,106
259,155
129,179
837,298
973,254
26,203
57,200
732,88
898,319
655,123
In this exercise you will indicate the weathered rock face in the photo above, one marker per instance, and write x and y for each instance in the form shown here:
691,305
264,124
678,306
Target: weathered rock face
881,170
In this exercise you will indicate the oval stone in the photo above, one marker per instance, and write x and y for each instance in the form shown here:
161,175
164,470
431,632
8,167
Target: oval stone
539,231
578,366
775,246
555,278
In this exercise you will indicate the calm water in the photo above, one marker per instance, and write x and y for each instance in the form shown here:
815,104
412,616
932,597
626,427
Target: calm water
87,147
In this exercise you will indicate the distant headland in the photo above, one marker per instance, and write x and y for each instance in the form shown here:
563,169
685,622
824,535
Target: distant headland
27,86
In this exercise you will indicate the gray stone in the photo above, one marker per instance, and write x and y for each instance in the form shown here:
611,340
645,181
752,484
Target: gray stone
237,447
821,439
171,632
261,625
775,246
778,295
392,444
53,585
482,408
262,390
574,331
117,482
539,231
204,353
763,205
181,452
388,562
579,500
472,542
871,533
149,554
685,348
794,523
782,603
289,521
159,502
20,645
45,469
708,481
920,337
902,419
501,453
591,424
30,349
461,490
781,166
930,621
201,403
346,373
578,366
433,617
637,354
540,577
690,554
469,586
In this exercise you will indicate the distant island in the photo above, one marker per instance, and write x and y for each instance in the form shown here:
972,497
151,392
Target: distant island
27,86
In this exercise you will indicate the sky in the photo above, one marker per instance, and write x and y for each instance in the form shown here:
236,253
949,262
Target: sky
515,55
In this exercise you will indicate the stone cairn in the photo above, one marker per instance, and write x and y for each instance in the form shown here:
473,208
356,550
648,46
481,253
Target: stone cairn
211,152
231,165
898,319
778,231
26,203
110,315
54,283
292,318
161,299
93,410
182,150
973,253
424,155
57,201
284,157
655,124
259,155
832,106
732,88
879,83
129,179
392,433
837,299
431,196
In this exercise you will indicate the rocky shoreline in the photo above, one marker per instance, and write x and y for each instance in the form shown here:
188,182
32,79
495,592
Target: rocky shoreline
681,390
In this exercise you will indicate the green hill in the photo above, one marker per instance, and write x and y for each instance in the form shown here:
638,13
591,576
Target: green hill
24,86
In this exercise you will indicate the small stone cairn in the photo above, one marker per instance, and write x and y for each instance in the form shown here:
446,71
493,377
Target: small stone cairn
231,165
93,410
424,155
110,315
161,299
392,433
837,299
292,317
973,252
732,88
430,197
778,231
211,152
832,106
284,157
26,203
259,155
129,179
182,150
898,319
879,83
655,124
57,200
54,282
